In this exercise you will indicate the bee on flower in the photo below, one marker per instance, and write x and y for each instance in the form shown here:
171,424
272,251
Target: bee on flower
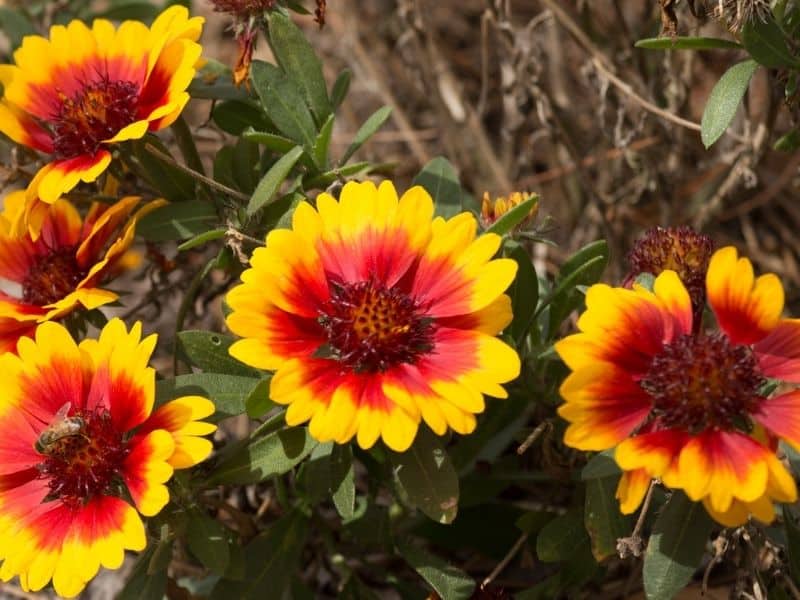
687,404
83,455
378,317
80,91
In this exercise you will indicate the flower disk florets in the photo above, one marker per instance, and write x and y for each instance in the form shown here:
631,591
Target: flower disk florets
371,328
53,277
86,461
93,115
702,382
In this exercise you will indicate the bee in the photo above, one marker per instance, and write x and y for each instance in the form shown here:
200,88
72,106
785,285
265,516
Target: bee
60,427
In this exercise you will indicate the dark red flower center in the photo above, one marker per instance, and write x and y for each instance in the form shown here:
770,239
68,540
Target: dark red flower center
83,455
372,328
702,382
52,277
95,113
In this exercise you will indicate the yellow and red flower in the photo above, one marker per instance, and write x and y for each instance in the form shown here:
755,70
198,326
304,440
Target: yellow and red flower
688,406
62,270
376,316
79,444
81,90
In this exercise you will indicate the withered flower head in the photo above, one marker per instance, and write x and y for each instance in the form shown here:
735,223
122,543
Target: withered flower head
245,15
492,211
680,249
736,13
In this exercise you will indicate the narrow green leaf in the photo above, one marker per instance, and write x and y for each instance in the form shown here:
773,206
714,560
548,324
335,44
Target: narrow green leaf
266,457
322,144
298,60
448,581
601,465
343,483
207,539
283,103
272,180
686,43
603,520
766,43
272,141
246,165
272,559
366,131
561,537
792,528
724,101
514,217
177,221
316,473
340,88
227,392
425,477
323,180
209,351
524,291
202,238
440,179
676,547
788,142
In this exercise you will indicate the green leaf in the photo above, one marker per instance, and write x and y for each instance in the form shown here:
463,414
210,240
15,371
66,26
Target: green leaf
316,473
686,43
234,116
766,43
246,165
561,537
265,457
202,238
209,351
272,180
272,559
177,221
132,9
298,60
792,528
724,101
603,520
425,477
524,291
207,539
601,465
172,183
227,392
583,268
271,141
142,584
448,581
440,179
283,103
15,25
322,144
258,402
788,142
323,180
366,131
676,547
343,483
514,217
340,88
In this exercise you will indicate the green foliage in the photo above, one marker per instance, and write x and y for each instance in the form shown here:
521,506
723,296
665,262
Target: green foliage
724,101
676,546
446,580
686,43
440,179
425,477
